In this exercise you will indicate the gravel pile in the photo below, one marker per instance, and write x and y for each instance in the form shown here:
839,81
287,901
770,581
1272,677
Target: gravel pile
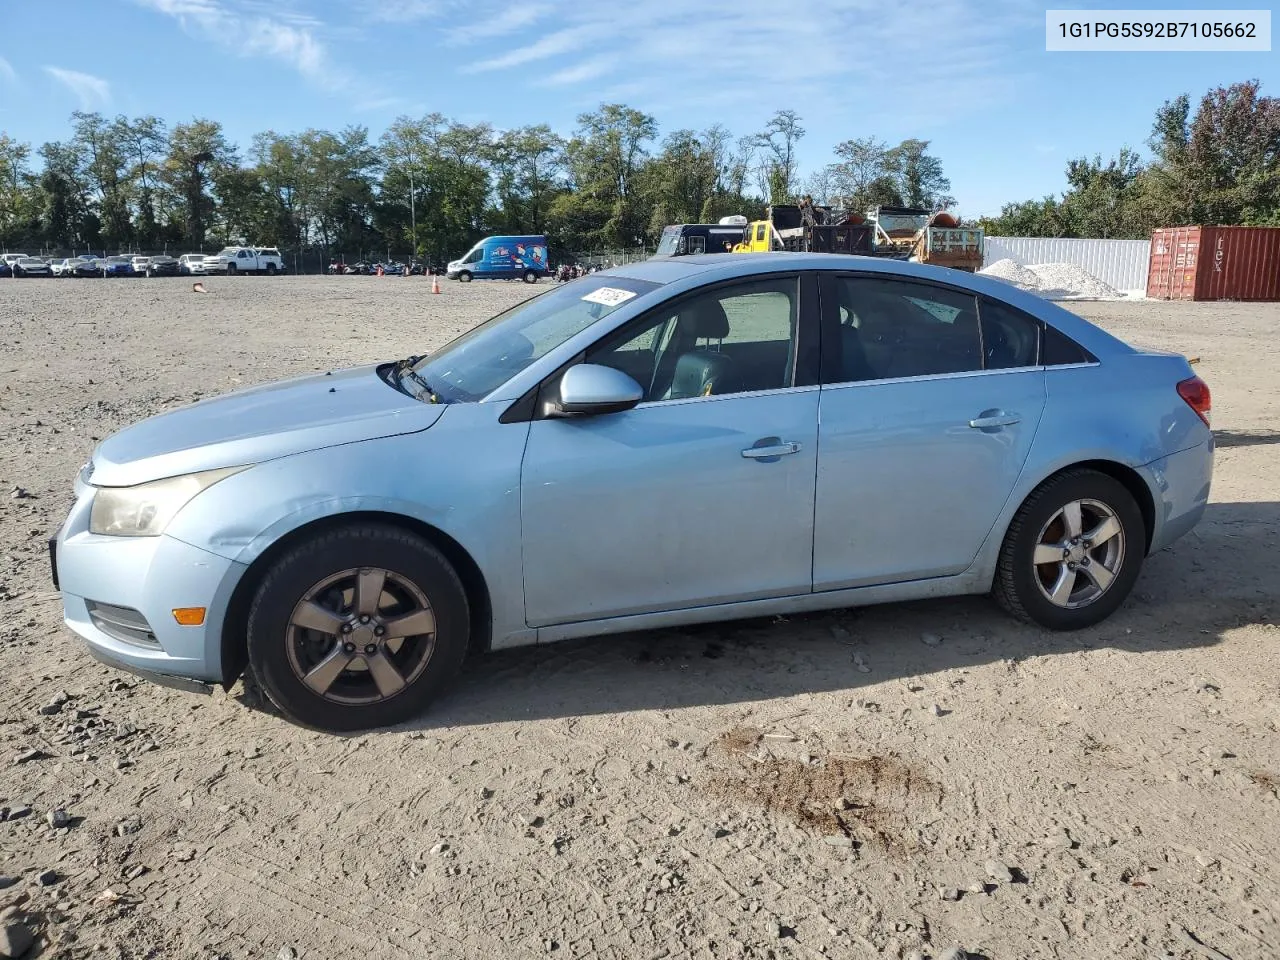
1066,281
1011,271
1053,281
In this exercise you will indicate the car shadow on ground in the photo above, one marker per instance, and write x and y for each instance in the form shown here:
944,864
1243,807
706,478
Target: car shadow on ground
1220,576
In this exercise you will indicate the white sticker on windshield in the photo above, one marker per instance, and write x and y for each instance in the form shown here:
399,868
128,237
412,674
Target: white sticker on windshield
609,296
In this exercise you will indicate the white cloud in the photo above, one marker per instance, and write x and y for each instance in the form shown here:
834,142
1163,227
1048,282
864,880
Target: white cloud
487,28
7,71
856,57
556,44
398,11
250,29
579,72
92,92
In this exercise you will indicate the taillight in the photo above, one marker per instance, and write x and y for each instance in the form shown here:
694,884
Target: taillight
1196,392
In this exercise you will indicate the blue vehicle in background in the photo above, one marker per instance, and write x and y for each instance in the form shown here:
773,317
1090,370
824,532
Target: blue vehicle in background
503,258
116,267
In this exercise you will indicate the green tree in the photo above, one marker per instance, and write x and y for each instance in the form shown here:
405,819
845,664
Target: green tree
606,160
778,142
198,153
144,142
103,161
15,194
918,176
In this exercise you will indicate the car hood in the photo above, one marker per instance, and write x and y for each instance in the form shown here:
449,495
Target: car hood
261,423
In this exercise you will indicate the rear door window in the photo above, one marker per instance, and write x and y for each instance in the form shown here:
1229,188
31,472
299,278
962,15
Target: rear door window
1010,338
890,329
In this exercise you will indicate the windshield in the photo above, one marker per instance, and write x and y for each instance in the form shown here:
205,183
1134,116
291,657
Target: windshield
670,240
483,359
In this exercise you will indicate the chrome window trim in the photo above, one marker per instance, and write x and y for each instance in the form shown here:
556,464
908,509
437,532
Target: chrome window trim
727,396
843,384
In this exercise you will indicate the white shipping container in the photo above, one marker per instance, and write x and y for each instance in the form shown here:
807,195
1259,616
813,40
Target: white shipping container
1121,263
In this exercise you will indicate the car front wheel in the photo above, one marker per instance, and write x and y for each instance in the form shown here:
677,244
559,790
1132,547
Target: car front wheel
1072,553
358,628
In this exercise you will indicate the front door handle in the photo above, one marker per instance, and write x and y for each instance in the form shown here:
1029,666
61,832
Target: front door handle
987,421
772,451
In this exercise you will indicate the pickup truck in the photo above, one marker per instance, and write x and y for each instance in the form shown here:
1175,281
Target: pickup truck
244,260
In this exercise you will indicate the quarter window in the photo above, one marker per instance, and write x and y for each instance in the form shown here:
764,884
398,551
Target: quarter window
1060,349
898,328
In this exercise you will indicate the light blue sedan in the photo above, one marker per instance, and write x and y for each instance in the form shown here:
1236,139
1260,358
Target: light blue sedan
658,444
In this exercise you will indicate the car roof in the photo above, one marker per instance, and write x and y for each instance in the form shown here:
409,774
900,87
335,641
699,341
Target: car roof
715,267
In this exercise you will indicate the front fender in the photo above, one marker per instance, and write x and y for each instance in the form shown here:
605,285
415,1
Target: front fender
461,477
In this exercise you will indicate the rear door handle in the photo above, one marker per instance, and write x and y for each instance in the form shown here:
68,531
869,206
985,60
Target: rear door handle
771,452
995,420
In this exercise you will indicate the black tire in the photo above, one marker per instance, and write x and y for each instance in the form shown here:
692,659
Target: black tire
404,555
530,276
1018,584
271,269
231,268
464,277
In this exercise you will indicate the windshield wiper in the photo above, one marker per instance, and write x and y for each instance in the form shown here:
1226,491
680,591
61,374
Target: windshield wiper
404,368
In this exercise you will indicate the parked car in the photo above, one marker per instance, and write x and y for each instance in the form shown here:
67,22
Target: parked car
31,267
5,269
63,268
639,448
120,266
503,258
12,258
244,260
90,267
161,266
191,264
139,263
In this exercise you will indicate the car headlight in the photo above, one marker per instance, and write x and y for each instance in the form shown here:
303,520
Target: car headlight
145,510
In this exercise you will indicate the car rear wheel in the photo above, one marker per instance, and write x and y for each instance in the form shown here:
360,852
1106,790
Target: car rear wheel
358,628
271,269
1072,553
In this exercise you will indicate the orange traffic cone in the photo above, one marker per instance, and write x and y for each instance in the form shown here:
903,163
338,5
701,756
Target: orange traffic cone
435,284
379,269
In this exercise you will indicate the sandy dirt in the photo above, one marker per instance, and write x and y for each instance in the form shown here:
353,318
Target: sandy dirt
864,783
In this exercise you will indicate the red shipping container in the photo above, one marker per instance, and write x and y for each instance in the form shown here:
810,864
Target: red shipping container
1214,263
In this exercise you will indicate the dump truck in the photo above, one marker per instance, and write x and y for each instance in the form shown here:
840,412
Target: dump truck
807,228
925,236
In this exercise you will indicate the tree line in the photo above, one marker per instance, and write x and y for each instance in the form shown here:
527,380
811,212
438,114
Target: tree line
434,185
431,183
1218,165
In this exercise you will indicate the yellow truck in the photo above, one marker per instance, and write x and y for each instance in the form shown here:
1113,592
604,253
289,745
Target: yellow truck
808,229
902,233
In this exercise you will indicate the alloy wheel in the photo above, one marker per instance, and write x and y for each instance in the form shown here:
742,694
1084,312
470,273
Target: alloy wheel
361,636
1078,553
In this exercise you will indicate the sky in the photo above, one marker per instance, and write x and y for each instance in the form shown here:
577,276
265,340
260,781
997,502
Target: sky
970,76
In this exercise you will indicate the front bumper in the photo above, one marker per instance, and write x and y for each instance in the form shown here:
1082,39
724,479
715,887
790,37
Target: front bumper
150,576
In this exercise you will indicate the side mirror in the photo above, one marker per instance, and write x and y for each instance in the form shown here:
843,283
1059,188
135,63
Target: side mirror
587,388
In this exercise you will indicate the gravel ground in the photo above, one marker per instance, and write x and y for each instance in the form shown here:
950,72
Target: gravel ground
857,784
